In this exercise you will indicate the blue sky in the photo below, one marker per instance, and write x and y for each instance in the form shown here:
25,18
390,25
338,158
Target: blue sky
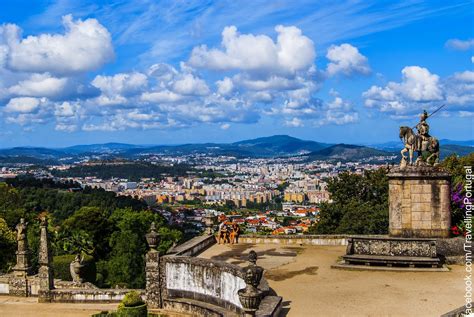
167,72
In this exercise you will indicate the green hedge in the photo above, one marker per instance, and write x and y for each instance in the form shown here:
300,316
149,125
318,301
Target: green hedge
62,271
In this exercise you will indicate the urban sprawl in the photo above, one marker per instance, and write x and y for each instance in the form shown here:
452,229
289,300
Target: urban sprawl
262,196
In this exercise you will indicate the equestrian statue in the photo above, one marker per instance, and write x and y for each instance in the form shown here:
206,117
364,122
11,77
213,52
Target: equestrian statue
426,146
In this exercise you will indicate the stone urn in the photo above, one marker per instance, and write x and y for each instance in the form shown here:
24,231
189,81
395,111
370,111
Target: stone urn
152,237
250,297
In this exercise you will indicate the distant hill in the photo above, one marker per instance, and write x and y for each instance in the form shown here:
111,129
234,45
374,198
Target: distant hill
277,145
346,152
101,148
281,144
36,152
449,149
272,146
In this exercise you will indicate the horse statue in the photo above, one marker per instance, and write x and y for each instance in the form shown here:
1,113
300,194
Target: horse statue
413,142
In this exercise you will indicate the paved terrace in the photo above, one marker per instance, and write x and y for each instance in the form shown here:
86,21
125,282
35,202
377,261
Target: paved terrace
303,276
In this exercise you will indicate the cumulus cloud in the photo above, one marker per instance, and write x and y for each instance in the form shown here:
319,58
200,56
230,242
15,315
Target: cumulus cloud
347,60
418,87
225,86
257,76
291,52
304,109
459,89
23,104
85,45
460,45
120,84
39,85
188,84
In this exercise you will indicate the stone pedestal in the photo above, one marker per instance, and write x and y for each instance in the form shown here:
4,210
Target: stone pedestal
153,286
419,202
22,267
18,286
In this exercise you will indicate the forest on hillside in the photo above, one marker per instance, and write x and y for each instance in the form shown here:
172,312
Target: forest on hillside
108,230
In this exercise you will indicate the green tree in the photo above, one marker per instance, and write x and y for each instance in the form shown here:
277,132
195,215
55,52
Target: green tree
128,244
360,204
11,209
92,222
455,165
7,246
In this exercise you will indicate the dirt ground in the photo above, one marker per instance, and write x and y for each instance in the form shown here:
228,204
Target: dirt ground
310,287
29,307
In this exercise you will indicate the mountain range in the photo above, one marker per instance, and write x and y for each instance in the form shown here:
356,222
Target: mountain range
272,146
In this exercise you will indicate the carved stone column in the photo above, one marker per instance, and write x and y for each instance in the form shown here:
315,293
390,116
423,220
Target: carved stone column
18,283
152,270
45,273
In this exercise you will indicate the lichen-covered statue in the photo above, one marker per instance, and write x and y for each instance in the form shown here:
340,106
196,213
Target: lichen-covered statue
426,146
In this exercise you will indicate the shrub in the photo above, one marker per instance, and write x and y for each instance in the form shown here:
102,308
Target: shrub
132,299
62,270
132,305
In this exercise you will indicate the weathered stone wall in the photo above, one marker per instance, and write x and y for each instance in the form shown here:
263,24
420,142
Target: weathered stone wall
194,246
204,280
322,239
419,203
89,295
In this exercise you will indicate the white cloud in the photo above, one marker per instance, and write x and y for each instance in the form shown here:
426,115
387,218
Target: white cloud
466,76
120,84
420,90
306,109
190,85
225,126
418,86
294,122
460,45
347,60
272,82
39,85
459,89
258,53
224,86
85,45
164,96
23,104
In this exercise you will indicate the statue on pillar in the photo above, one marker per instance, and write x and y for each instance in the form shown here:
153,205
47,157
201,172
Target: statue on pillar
426,146
22,266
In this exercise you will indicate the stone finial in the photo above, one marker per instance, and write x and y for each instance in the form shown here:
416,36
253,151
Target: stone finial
250,296
152,237
45,272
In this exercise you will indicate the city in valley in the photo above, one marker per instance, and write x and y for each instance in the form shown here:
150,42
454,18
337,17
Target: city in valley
273,195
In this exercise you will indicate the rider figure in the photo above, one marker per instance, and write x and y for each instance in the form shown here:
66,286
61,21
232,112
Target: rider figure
423,131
